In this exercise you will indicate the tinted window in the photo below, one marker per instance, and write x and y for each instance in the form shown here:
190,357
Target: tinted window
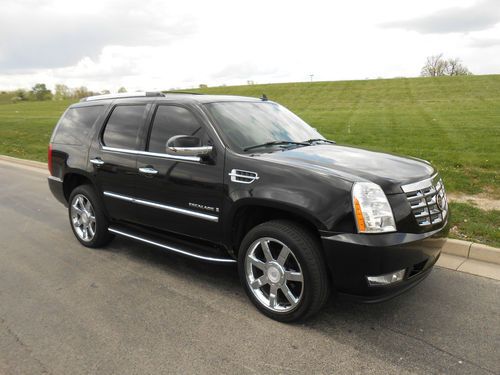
76,124
123,126
245,124
170,121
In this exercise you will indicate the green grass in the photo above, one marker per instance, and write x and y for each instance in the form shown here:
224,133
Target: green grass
26,127
473,224
454,122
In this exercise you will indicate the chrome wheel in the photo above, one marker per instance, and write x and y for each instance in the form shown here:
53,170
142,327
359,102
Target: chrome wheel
83,217
274,275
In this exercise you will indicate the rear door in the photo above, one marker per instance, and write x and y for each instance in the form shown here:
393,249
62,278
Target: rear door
183,194
113,156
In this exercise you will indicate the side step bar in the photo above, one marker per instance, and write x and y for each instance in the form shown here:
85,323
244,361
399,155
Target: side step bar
166,246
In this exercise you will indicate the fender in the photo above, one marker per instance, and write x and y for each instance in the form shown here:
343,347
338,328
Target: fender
247,201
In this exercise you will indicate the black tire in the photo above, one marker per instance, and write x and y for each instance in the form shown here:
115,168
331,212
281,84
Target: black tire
305,247
101,235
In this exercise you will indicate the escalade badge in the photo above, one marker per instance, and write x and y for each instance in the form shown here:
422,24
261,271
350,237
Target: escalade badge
203,207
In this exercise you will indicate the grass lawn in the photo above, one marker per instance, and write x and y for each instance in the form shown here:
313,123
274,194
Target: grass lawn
26,127
473,224
454,122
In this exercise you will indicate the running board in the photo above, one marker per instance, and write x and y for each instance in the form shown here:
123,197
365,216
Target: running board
166,246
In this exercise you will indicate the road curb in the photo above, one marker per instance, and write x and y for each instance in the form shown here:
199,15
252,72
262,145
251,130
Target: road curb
458,248
29,163
471,250
484,253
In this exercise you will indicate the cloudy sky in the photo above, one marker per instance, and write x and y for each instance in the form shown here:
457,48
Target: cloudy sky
158,44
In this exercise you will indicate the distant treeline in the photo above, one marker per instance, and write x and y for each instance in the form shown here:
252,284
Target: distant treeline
61,92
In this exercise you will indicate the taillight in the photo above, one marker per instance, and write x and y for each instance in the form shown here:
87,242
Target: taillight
49,159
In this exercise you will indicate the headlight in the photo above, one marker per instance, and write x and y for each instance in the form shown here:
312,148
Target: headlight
372,211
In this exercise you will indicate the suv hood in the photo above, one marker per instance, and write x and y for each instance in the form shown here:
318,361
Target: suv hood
355,164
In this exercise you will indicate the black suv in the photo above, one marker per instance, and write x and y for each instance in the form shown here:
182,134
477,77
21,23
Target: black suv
243,180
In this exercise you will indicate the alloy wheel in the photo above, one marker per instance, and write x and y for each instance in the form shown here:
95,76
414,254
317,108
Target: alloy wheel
274,275
83,218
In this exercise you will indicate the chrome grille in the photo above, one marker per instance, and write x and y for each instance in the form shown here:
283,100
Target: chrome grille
428,201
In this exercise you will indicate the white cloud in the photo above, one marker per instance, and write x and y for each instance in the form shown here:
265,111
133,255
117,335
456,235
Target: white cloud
160,45
481,15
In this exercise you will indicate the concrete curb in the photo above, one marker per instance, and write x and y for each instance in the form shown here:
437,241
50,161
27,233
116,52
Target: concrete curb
471,250
471,266
29,163
484,253
457,248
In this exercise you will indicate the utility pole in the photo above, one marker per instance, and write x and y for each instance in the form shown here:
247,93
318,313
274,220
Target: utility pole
311,76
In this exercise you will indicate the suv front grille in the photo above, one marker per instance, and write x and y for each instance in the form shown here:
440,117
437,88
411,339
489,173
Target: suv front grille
428,201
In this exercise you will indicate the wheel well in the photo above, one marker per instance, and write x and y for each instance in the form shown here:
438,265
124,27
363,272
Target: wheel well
71,181
249,217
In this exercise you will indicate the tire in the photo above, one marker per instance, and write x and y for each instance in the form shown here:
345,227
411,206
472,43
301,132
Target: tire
87,219
300,269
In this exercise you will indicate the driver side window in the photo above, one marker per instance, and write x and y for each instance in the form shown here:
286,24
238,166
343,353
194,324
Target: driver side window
169,121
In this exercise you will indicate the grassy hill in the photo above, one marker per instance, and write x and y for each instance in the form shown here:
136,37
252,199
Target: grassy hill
454,122
25,127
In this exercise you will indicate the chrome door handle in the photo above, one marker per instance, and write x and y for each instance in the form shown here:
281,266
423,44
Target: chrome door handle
97,161
148,171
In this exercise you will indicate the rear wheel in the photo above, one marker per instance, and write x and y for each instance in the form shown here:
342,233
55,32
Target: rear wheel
282,270
87,219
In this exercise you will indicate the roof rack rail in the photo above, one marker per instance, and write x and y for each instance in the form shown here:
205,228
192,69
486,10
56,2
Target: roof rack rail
182,92
123,95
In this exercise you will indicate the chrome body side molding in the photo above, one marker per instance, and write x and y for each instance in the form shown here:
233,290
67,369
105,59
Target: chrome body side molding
165,207
155,154
171,248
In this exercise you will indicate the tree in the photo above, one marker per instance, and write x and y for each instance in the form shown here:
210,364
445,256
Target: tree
21,94
40,92
122,90
61,92
455,68
104,92
434,67
81,92
437,66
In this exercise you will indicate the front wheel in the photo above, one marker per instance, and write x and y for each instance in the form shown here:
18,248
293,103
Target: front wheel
282,270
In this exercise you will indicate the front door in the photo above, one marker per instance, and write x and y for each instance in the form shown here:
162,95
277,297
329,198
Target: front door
179,194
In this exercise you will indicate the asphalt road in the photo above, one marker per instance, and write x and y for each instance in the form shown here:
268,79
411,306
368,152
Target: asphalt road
131,308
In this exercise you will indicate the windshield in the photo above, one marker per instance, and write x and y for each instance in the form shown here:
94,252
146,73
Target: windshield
247,124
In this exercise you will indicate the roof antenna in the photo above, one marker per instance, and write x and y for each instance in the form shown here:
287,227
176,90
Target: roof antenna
263,98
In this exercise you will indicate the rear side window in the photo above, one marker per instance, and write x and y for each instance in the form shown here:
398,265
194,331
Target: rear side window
76,125
169,121
123,126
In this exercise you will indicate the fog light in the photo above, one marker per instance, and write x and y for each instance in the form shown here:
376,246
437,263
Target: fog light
386,279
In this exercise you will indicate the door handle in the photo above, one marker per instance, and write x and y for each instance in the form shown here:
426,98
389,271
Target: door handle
97,161
148,171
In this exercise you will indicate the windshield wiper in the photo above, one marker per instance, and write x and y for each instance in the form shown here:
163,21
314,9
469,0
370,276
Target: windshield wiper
309,141
276,143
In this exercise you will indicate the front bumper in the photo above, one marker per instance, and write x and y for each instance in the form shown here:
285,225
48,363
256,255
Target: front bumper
353,257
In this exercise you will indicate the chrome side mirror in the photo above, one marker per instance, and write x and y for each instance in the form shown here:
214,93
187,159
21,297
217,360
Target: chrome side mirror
186,145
